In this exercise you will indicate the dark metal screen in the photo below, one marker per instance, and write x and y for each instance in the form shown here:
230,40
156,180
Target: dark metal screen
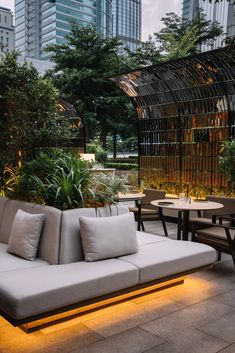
77,129
185,109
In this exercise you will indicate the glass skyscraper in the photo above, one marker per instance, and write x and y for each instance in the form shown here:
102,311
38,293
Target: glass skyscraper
42,22
127,21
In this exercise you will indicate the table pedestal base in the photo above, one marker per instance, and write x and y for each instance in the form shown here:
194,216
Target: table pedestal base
183,225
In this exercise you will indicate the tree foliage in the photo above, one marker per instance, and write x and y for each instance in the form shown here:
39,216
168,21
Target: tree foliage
178,38
82,68
28,117
85,62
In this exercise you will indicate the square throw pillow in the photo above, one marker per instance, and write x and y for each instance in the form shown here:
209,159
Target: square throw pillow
25,234
106,237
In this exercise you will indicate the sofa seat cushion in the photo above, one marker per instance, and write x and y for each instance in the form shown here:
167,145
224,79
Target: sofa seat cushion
25,293
169,257
9,262
147,238
215,232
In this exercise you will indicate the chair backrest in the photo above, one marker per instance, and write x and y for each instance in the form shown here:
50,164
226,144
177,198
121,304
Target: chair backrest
151,195
228,202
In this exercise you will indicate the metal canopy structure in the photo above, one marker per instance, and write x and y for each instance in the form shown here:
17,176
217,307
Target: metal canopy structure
185,110
77,128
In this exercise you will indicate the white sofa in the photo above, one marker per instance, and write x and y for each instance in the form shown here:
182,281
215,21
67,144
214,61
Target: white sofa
59,278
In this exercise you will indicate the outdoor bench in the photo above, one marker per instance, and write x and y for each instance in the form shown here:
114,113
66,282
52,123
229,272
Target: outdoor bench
60,279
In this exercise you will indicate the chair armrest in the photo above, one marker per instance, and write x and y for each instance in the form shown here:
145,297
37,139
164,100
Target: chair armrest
226,214
227,232
226,218
222,216
217,225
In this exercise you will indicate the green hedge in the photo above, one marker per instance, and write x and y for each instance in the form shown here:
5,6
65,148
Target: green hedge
132,160
122,166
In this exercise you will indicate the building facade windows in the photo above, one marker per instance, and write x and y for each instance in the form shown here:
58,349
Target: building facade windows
7,39
127,22
46,21
222,12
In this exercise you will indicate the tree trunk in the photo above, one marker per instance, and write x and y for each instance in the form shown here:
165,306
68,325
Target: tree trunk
114,145
104,134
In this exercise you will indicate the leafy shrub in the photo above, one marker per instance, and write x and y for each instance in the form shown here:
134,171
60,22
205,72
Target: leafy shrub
65,181
8,180
101,155
122,166
227,160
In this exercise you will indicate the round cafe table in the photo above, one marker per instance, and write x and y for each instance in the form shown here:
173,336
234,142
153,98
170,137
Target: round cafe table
184,209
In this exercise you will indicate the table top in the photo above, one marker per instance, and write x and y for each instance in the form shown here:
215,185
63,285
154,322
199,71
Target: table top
183,206
130,196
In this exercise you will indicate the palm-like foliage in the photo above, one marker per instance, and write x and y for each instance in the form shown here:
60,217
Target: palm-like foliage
8,180
66,181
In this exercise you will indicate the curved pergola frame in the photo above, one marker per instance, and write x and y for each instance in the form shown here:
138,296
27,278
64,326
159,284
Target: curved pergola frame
77,127
185,110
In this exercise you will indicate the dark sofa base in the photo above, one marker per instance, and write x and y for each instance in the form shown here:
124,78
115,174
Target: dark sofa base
37,322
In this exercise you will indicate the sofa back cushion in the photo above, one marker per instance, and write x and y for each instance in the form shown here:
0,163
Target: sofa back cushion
48,248
49,244
71,249
12,206
3,201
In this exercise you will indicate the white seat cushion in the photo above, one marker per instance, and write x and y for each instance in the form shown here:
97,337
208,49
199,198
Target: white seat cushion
169,257
9,262
25,293
147,238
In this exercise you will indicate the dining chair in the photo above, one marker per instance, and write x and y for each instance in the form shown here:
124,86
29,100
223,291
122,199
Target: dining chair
148,211
220,236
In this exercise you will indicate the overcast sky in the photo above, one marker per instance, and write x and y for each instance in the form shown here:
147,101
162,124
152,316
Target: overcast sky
153,11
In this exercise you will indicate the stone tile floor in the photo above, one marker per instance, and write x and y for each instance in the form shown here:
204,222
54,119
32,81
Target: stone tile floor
196,317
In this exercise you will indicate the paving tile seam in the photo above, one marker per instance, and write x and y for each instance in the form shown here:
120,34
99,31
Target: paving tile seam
152,333
217,301
221,350
201,301
173,312
97,333
157,346
163,296
209,334
116,334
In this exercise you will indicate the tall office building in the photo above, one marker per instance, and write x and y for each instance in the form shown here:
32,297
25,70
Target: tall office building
7,31
42,22
223,12
127,21
231,20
